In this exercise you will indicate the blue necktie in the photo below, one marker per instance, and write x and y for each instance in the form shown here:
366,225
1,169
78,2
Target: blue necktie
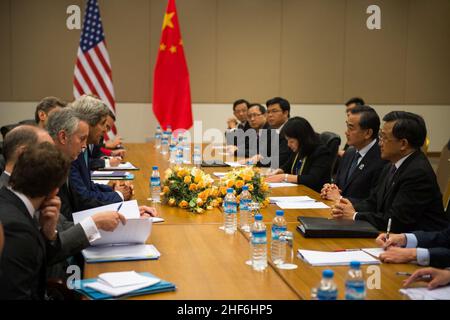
353,165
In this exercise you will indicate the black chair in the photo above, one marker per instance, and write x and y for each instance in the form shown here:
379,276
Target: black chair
332,141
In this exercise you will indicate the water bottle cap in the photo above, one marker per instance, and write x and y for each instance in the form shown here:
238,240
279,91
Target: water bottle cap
245,188
280,213
328,274
155,167
230,190
355,264
258,217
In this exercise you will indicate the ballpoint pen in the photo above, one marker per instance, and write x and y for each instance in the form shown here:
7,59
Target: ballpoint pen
388,228
408,274
120,206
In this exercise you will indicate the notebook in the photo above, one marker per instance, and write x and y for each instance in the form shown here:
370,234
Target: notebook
313,227
111,175
342,258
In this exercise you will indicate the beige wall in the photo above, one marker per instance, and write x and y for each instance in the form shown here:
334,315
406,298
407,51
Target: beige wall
310,51
136,122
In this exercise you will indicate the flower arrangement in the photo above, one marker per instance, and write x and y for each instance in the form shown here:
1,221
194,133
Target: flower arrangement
248,176
190,188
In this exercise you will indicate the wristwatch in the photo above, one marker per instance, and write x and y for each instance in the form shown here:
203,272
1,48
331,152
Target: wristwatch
285,177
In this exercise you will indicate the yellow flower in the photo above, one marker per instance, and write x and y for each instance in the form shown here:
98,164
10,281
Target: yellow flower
265,187
209,208
180,174
197,178
166,189
201,185
192,187
168,173
199,201
230,183
171,202
183,204
250,187
187,179
223,190
199,210
246,177
239,184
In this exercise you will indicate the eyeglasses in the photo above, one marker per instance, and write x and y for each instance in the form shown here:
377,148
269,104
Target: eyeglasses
383,138
274,111
253,115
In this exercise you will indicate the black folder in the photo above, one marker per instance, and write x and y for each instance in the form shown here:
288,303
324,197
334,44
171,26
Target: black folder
311,227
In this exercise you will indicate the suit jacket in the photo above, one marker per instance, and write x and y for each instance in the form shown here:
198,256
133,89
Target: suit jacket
4,179
438,244
80,179
25,253
316,169
95,160
413,199
253,143
364,177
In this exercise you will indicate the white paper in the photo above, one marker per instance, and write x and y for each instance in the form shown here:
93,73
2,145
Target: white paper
234,164
374,251
324,258
101,181
121,279
122,166
219,174
129,209
290,199
442,293
281,184
104,288
134,231
157,219
120,252
102,173
302,205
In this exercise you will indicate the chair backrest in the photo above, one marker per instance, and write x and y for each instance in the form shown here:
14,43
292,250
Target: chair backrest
7,128
443,173
332,141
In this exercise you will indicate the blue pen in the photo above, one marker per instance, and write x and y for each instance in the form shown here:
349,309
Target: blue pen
120,206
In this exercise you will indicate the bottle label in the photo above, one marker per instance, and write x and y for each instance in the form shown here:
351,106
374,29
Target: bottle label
243,205
276,230
327,294
155,181
259,237
355,290
230,207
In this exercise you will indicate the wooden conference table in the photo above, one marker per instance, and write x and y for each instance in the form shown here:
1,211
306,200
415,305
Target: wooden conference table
205,263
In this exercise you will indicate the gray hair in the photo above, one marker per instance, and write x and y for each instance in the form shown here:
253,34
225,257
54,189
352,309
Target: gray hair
90,109
62,120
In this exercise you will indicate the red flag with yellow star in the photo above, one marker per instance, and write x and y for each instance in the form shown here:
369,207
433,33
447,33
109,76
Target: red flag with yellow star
171,89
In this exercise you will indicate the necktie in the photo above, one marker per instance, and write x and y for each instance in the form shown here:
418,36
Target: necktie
353,165
85,155
391,174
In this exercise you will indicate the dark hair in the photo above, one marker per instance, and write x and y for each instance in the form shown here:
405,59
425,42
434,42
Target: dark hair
369,119
355,100
299,128
48,104
261,108
284,104
112,115
240,101
39,170
24,135
409,126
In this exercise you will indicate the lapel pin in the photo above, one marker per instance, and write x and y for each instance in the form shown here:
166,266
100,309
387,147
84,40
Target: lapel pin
361,166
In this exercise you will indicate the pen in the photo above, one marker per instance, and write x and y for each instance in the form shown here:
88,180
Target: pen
408,274
343,250
388,228
120,206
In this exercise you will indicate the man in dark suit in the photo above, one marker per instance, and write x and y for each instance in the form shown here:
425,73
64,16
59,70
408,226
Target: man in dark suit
278,113
361,165
94,112
237,125
427,248
45,107
29,211
407,192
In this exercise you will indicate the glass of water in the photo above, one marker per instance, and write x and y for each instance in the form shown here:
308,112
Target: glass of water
287,238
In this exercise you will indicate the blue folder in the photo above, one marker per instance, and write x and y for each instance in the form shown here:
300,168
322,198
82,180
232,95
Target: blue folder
162,286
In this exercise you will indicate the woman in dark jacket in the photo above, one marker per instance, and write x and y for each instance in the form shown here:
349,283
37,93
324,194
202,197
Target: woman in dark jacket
310,163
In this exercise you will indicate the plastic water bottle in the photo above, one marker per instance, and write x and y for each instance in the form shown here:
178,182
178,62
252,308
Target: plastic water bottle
244,209
327,289
186,151
155,185
259,244
169,132
197,156
179,156
278,247
158,134
172,153
165,143
230,212
355,286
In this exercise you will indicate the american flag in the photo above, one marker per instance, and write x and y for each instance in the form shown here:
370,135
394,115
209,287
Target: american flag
92,69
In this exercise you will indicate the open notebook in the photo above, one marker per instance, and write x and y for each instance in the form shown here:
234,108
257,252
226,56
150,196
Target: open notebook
126,242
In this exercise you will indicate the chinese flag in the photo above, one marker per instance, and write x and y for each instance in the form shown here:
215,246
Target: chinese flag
171,89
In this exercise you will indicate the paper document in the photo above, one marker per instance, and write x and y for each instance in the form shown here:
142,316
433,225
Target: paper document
302,205
374,251
122,166
442,293
281,184
157,219
129,252
129,210
220,174
120,279
290,199
234,164
101,181
324,258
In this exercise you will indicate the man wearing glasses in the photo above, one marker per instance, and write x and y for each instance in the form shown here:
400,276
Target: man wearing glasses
407,192
278,113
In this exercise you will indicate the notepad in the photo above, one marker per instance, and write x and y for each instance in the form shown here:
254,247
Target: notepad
281,184
324,258
122,166
442,293
302,205
290,199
